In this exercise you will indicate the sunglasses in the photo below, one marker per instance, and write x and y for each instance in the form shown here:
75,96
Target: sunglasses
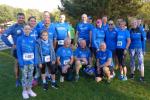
110,24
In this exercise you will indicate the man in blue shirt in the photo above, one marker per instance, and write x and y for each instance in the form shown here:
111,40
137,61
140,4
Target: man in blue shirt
62,31
137,49
123,43
16,30
82,57
105,24
84,30
104,62
65,58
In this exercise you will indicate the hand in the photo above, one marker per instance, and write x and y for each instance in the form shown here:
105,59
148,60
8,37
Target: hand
40,65
125,51
53,62
84,60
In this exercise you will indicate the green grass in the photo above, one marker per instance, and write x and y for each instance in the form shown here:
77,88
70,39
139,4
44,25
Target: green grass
85,89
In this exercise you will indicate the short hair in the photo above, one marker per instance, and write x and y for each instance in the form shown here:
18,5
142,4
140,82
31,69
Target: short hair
20,14
43,31
67,38
31,18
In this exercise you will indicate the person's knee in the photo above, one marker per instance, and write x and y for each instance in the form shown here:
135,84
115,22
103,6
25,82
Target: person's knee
106,69
98,79
53,69
78,64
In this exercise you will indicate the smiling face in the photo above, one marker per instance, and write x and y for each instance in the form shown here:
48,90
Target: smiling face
103,47
62,18
32,22
83,44
84,18
21,19
134,24
44,35
67,42
27,30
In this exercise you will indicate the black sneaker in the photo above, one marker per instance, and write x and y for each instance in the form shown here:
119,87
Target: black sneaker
132,76
141,79
54,85
45,86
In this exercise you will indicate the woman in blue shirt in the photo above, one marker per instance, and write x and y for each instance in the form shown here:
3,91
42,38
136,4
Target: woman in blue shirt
137,49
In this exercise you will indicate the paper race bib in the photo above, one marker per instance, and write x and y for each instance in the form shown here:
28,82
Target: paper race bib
28,56
66,61
47,58
60,42
119,43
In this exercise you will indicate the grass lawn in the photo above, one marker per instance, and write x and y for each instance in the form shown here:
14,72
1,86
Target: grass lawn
85,89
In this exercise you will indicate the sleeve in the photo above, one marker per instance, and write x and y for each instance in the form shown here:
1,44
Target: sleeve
53,56
58,54
77,28
143,39
89,52
94,38
38,53
6,34
127,34
109,54
35,53
19,52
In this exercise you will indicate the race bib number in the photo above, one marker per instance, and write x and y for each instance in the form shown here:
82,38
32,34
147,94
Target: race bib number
47,58
28,56
60,42
66,62
119,43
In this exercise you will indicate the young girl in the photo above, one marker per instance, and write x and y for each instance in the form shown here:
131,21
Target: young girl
46,57
26,56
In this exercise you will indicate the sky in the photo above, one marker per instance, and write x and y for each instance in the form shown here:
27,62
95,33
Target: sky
41,5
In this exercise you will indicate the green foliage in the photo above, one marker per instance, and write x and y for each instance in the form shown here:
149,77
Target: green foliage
98,8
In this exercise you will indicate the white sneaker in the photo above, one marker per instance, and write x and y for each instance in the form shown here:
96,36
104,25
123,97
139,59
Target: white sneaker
25,95
61,79
31,93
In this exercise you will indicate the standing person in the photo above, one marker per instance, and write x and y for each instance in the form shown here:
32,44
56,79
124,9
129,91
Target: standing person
34,34
26,53
105,24
84,30
46,14
104,63
32,22
62,30
98,36
111,42
82,57
90,20
137,49
65,58
46,57
123,43
15,31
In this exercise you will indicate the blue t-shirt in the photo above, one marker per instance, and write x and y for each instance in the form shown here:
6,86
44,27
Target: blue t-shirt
111,39
65,55
34,34
105,27
82,53
122,36
98,36
84,30
137,37
103,56
62,30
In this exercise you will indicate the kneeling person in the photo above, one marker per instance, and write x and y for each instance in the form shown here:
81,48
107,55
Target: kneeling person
104,61
82,57
65,58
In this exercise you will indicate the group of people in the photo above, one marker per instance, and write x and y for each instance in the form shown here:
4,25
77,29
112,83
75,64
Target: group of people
42,48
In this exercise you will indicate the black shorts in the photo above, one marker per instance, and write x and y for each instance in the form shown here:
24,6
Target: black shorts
51,67
121,57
